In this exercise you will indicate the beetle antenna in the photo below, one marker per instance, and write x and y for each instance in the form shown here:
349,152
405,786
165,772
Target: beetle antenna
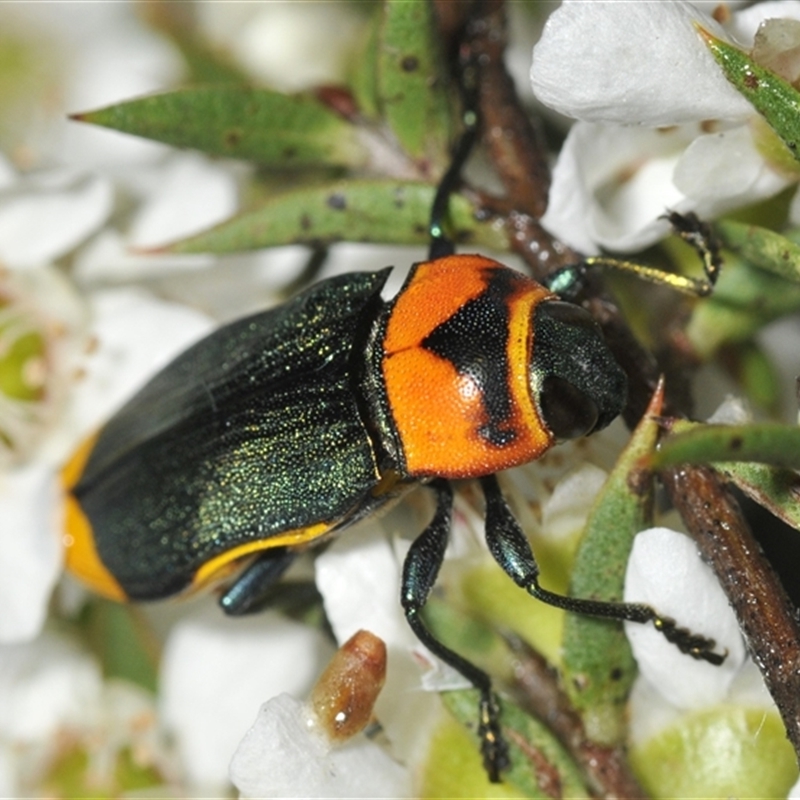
441,244
694,232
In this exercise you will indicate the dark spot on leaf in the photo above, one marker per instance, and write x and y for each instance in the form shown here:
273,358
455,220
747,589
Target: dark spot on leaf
751,81
639,481
616,674
338,99
337,201
232,137
305,222
409,64
581,682
420,229
289,152
736,443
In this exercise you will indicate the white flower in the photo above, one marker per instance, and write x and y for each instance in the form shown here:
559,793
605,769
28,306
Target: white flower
73,58
56,705
658,126
665,572
288,46
135,334
44,215
217,671
283,755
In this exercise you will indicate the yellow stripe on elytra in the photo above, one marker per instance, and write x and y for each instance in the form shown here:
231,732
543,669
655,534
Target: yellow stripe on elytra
80,553
81,556
294,538
520,349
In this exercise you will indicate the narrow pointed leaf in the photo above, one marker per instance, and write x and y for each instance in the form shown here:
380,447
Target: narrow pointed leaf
364,78
282,131
775,488
761,247
410,81
597,662
774,98
765,442
386,212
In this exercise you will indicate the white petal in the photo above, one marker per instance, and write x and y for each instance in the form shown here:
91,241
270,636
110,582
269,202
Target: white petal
290,47
282,755
30,549
217,671
136,335
722,171
193,194
732,411
8,175
107,258
666,572
611,186
44,685
359,579
744,24
565,511
114,57
46,216
632,63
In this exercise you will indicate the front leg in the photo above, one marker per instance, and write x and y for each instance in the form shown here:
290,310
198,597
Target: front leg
420,570
510,548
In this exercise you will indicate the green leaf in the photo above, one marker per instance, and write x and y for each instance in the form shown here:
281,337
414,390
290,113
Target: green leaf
364,78
410,84
777,490
745,299
773,97
752,368
391,212
122,642
774,488
762,248
597,663
278,130
764,442
540,766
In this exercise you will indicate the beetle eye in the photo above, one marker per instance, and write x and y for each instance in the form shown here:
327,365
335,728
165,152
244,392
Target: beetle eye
577,384
566,410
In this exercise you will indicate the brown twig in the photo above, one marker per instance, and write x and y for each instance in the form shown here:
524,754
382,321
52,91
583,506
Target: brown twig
766,616
605,768
513,142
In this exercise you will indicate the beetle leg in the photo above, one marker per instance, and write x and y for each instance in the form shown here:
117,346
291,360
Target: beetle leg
419,575
510,548
251,587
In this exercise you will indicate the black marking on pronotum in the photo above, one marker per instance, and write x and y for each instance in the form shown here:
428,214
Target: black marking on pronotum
475,341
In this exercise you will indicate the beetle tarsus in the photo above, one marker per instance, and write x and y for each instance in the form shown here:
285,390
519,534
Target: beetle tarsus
494,747
692,644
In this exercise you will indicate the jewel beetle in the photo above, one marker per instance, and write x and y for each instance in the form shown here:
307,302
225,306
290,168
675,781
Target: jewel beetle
284,426
281,429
